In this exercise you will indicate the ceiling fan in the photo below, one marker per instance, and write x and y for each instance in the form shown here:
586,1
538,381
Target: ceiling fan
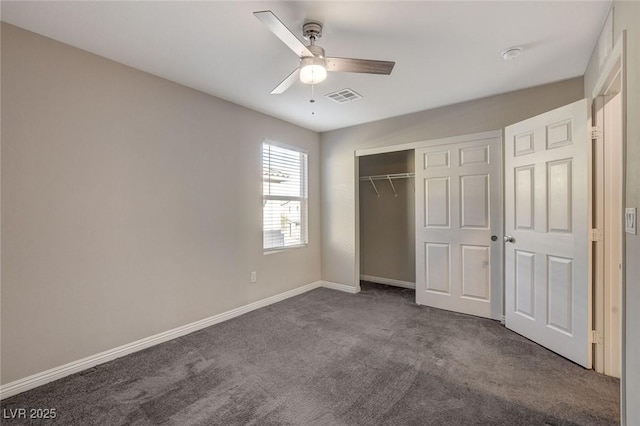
313,63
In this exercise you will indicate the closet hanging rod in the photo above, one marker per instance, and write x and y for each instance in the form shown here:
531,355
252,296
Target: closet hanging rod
388,177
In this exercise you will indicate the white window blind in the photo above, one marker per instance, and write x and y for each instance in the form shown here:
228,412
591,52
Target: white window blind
284,190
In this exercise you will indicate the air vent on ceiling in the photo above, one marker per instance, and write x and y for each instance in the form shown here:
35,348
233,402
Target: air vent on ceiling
344,95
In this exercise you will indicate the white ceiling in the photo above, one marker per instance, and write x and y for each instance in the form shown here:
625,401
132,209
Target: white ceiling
445,52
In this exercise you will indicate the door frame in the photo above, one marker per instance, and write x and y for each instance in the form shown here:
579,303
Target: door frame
613,67
413,145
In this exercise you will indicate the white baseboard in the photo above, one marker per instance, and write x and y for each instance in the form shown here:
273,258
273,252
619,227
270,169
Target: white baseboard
388,281
341,287
39,379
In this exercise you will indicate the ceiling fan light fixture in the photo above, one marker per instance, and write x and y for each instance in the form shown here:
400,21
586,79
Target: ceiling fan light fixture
312,70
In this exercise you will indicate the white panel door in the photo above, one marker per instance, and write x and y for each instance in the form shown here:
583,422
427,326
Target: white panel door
458,209
546,231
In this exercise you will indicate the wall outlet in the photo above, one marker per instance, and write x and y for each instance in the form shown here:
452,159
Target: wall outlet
630,221
254,277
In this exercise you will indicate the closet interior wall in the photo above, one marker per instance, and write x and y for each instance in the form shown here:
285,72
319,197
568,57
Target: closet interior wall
387,224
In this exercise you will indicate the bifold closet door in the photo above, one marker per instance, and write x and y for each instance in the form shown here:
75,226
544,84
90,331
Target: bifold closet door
459,227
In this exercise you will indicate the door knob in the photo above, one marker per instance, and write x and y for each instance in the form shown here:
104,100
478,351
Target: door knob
509,239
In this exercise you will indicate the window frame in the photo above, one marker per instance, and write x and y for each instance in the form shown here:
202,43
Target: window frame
303,198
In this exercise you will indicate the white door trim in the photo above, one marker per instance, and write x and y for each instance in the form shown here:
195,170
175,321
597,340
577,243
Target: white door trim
617,59
430,142
613,73
611,67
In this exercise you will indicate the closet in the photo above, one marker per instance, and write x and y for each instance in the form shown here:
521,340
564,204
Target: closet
387,224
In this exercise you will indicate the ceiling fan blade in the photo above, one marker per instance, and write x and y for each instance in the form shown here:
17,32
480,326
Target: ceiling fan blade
276,26
286,83
359,65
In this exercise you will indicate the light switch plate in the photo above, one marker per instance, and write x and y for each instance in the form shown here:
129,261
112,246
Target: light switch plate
630,221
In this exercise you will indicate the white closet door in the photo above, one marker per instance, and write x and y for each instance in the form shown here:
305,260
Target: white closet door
458,210
546,207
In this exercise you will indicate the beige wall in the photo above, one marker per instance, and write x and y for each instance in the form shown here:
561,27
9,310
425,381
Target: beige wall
387,224
339,254
627,17
131,205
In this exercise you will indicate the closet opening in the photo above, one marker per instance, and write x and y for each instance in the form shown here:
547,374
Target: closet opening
387,218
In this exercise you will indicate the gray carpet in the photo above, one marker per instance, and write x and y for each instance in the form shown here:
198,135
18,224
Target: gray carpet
332,358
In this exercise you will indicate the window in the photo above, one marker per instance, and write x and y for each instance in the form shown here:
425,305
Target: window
284,190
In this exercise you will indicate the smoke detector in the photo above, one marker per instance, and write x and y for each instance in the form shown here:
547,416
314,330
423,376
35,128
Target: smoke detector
511,53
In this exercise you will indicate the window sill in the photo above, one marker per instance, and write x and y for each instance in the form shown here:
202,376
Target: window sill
283,249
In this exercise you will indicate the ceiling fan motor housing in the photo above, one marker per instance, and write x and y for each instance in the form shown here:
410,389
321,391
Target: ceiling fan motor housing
317,51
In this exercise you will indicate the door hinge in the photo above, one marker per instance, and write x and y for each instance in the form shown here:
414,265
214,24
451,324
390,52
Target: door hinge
596,133
595,235
596,337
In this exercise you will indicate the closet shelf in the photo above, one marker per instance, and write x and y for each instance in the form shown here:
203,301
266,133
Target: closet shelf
390,178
